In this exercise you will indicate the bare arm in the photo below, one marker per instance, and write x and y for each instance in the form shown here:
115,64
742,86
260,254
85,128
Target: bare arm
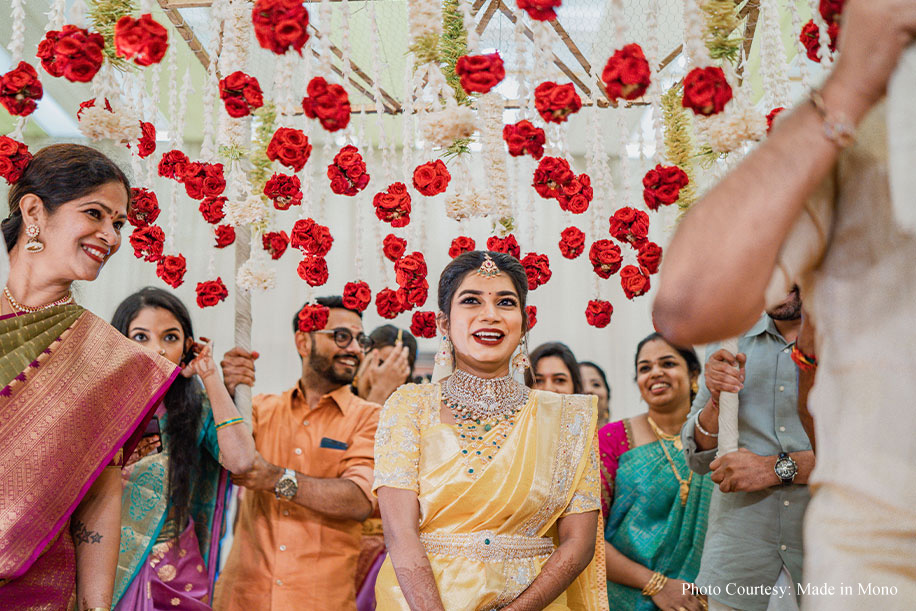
739,226
96,530
401,522
744,471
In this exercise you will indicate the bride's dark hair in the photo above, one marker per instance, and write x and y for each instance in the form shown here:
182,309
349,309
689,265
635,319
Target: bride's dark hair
470,262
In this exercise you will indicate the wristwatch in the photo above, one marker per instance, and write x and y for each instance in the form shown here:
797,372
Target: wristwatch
786,468
287,486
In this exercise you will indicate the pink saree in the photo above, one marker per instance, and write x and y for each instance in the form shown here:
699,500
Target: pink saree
75,397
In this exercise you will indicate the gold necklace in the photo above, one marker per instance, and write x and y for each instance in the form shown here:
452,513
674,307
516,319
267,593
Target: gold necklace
18,307
662,437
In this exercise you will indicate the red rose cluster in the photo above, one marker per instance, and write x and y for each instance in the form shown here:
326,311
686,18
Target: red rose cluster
211,208
410,274
357,296
531,312
386,303
142,40
284,190
556,102
314,270
241,94
772,117
172,163
540,10
313,317
211,292
650,257
393,247
605,257
551,175
706,92
572,242
393,205
225,235
630,226
327,102
423,324
290,147
202,179
315,241
577,194
431,178
634,280
144,207
20,89
508,245
14,157
348,172
480,73
171,270
147,242
280,24
811,37
275,243
598,313
72,53
523,138
662,185
461,245
537,268
627,74
831,10
146,145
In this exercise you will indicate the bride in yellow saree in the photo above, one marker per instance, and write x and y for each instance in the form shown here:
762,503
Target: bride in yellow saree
492,510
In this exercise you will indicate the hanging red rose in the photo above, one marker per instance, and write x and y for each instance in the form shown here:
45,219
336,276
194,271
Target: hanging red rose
627,74
142,40
508,245
311,238
635,281
556,102
72,53
212,209
831,9
461,245
706,91
551,175
540,10
147,242
290,147
572,242
172,164
284,190
241,94
386,303
577,194
146,145
14,157
523,138
348,172
275,243
20,90
650,257
211,292
598,313
605,257
431,178
630,226
313,317
313,269
410,269
393,205
811,37
537,268
280,25
203,179
393,247
771,117
327,102
531,312
225,235
412,296
480,73
171,270
357,296
423,324
662,185
144,207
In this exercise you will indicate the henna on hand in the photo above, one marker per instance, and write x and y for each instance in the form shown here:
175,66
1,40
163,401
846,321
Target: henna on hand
419,587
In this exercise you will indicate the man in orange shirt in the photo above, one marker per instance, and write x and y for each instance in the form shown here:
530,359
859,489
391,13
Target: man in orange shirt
298,532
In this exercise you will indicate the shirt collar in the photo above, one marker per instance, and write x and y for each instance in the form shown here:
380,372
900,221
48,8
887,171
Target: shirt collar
765,325
341,397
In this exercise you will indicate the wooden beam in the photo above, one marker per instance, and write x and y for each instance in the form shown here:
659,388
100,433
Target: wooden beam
186,32
751,10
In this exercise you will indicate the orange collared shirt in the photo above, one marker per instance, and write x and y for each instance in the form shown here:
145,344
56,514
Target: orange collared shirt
285,556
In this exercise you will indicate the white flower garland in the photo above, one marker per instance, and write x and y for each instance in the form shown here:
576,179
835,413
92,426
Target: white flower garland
57,15
824,51
773,55
423,18
246,210
152,111
442,127
217,19
470,26
17,37
96,123
255,274
802,59
738,124
490,107
383,146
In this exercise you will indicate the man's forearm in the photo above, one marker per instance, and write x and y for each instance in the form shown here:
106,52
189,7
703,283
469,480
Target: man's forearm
336,498
805,462
710,423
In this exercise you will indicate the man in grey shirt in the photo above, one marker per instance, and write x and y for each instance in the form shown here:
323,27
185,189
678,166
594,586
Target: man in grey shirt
753,549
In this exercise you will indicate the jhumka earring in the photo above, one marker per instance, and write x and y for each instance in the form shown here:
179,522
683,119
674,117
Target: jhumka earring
520,361
695,388
33,244
444,364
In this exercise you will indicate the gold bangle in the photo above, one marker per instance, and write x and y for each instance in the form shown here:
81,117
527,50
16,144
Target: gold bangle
655,585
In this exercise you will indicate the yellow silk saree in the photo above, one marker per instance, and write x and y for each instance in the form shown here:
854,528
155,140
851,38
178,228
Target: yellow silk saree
489,526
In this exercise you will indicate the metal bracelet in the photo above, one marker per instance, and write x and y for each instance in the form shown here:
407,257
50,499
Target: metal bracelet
704,431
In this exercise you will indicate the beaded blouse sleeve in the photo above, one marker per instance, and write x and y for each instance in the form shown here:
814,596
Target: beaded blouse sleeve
397,441
586,496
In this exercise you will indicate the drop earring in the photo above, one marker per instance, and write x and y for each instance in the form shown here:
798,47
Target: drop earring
444,362
33,244
520,361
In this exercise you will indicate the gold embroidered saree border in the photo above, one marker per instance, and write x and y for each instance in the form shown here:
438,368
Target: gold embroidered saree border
27,338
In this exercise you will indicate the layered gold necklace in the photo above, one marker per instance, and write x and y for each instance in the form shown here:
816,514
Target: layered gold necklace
19,308
676,442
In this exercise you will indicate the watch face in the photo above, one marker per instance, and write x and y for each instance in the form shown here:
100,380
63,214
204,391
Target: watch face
287,487
785,468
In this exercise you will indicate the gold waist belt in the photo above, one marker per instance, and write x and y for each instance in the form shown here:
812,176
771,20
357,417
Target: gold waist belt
486,545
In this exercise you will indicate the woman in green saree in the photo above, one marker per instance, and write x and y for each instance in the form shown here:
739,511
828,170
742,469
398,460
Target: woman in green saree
73,391
655,508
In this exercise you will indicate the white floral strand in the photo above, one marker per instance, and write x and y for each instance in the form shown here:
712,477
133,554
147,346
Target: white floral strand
773,55
17,37
470,26
424,18
56,16
654,92
738,123
494,156
324,16
152,111
823,52
802,58
217,19
255,274
694,49
78,14
375,43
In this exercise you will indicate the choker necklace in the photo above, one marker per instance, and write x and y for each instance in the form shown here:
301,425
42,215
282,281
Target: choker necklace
473,398
19,308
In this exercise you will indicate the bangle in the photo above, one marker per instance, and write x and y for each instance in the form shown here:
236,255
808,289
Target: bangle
655,584
229,422
838,130
805,362
704,431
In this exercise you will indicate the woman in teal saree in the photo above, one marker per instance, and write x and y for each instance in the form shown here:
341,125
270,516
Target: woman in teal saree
655,508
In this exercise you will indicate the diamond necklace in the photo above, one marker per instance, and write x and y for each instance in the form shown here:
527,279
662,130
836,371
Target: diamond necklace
65,300
474,398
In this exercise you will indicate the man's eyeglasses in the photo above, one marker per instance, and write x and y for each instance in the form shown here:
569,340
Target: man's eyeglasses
343,337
